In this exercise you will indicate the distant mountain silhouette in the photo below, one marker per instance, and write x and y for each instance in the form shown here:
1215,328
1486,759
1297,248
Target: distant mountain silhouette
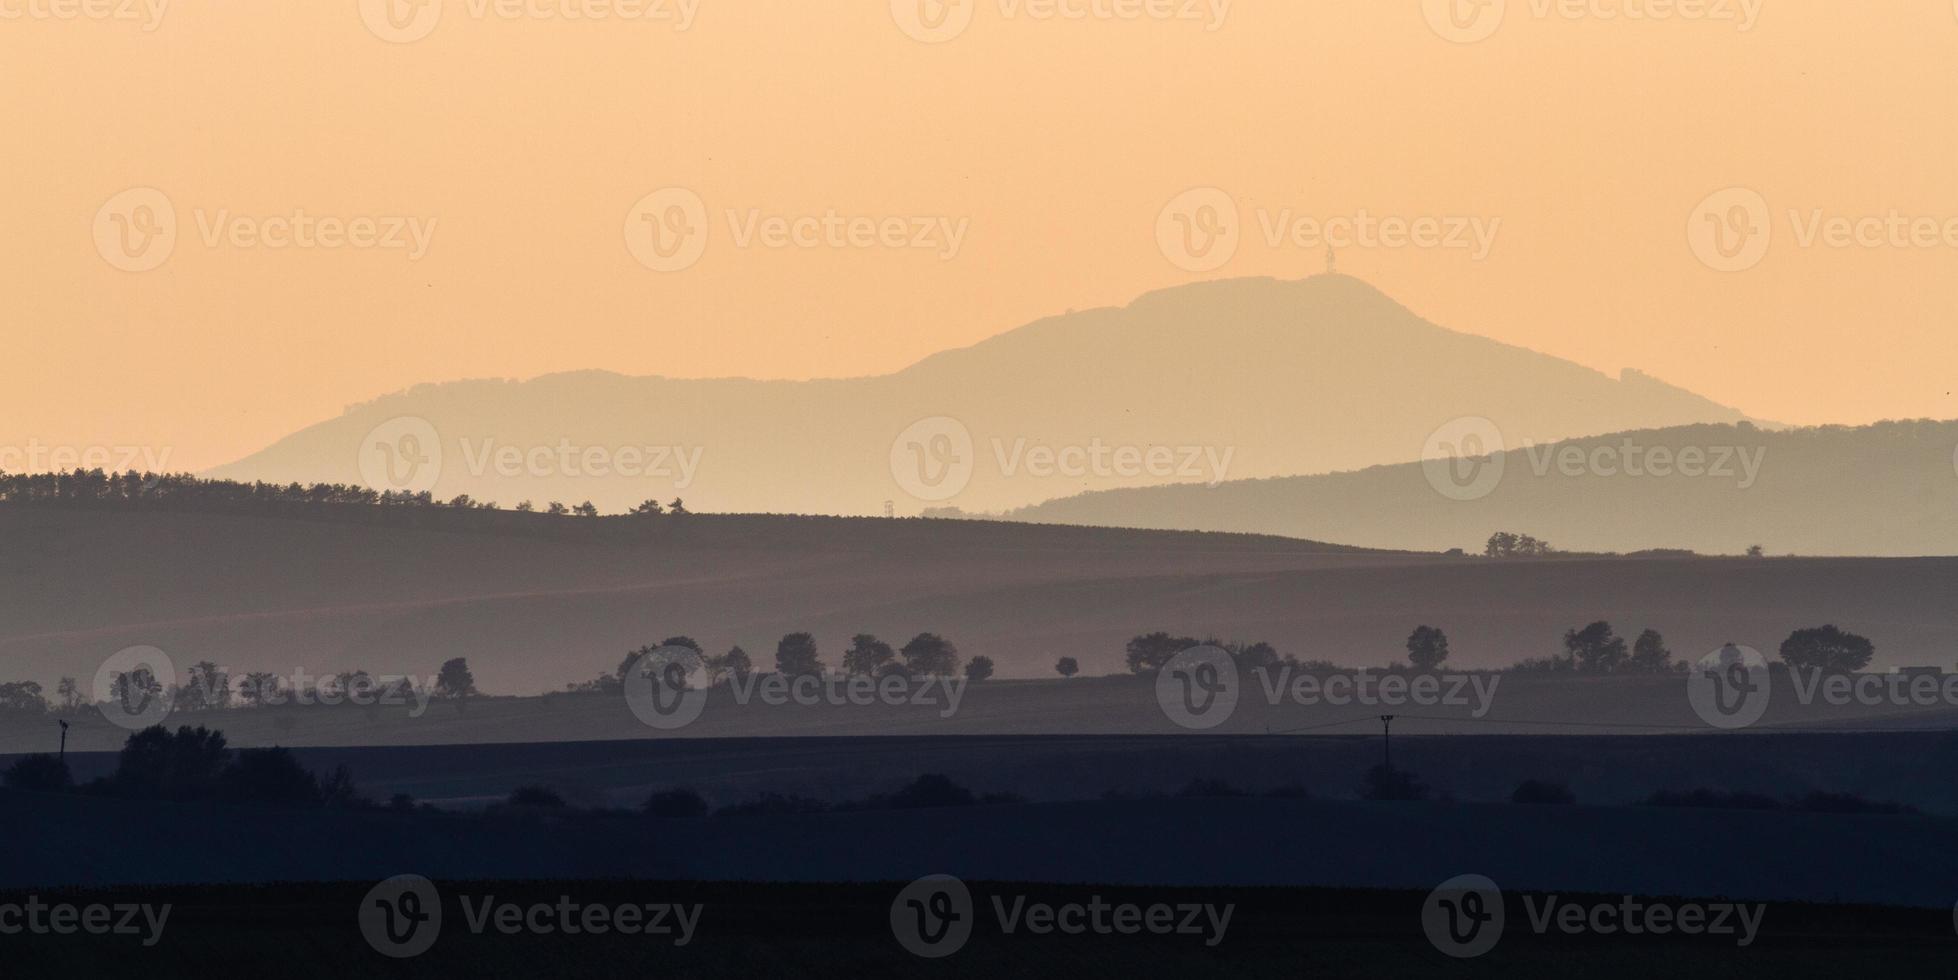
1886,489
1242,378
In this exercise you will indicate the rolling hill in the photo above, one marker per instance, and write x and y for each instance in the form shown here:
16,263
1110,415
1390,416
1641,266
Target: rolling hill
555,600
1887,489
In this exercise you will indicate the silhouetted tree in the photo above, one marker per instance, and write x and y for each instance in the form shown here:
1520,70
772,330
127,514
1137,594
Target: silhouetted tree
867,656
930,654
979,668
134,690
1827,649
586,509
649,508
22,696
796,656
261,688
268,776
70,694
1254,656
160,765
1067,666
1756,551
1148,653
454,679
1650,654
733,664
1427,647
1505,544
1595,648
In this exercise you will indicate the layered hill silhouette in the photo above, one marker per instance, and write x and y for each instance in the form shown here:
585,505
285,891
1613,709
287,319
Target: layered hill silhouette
535,609
1233,379
1886,489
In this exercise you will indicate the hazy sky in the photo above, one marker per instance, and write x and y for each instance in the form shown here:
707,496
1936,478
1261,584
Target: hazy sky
503,157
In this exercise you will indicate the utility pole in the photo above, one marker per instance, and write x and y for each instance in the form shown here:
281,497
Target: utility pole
1387,738
64,741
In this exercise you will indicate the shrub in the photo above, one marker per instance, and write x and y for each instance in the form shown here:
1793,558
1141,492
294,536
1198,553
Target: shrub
675,804
38,774
536,796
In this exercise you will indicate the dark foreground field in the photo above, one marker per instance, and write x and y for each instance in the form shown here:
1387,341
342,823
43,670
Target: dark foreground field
844,931
1888,859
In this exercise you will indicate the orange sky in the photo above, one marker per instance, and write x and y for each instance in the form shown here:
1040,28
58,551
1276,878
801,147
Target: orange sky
521,145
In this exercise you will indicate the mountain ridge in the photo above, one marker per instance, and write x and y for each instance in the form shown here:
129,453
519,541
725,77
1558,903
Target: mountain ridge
1240,368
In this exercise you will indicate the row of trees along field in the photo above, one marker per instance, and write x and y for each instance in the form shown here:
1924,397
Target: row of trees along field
797,655
1593,649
